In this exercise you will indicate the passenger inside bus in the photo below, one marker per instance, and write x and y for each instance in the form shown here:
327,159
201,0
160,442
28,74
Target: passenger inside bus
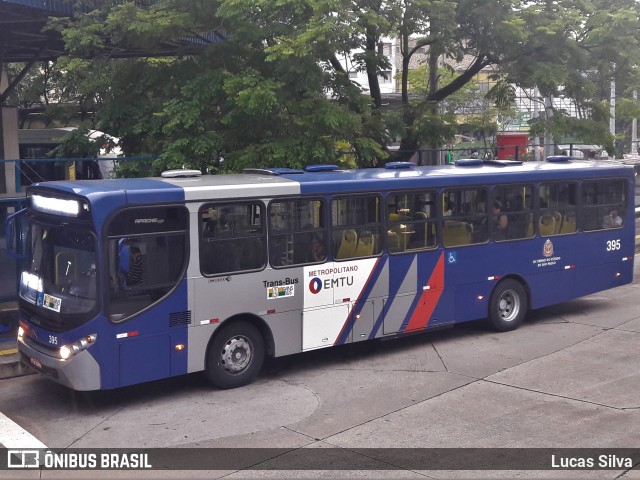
447,209
135,275
612,220
501,220
316,250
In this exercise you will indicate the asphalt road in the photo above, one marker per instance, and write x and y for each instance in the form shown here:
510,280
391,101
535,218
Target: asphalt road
568,378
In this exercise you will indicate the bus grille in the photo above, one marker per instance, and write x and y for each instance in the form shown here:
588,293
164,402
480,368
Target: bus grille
180,318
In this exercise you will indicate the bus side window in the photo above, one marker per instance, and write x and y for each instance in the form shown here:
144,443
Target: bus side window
513,203
557,208
604,204
411,221
232,238
146,260
464,217
355,226
296,232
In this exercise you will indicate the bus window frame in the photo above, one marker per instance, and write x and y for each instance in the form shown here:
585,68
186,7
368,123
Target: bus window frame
264,236
533,188
577,206
271,233
380,224
487,187
106,274
431,220
581,213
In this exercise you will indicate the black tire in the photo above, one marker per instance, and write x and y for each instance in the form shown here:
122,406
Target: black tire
508,305
235,355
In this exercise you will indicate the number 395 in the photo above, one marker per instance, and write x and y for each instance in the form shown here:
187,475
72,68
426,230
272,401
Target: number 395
613,245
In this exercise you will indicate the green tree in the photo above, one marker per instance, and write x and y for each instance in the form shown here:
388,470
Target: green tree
274,92
259,98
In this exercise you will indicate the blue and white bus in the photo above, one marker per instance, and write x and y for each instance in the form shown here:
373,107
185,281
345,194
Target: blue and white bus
133,280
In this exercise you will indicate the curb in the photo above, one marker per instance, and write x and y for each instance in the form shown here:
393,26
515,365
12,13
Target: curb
14,368
10,365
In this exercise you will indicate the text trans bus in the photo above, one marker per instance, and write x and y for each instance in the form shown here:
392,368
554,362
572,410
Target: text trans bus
134,280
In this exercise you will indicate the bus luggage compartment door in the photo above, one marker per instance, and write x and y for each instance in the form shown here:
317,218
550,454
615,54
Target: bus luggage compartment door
321,326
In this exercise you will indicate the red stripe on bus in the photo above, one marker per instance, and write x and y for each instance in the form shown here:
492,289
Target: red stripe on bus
429,298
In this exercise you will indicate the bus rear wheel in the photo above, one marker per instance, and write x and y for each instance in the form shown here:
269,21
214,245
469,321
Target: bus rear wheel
235,355
508,305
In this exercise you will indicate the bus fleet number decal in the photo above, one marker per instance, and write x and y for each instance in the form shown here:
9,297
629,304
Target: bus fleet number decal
613,245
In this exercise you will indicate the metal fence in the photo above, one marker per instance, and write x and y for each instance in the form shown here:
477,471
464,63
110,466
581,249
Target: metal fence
10,268
529,152
33,170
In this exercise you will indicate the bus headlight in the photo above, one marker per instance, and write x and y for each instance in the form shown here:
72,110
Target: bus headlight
68,351
65,352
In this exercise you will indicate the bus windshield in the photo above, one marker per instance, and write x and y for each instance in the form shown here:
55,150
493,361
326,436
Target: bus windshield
61,274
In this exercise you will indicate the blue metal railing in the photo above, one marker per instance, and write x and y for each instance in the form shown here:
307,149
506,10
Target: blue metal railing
33,170
10,268
62,7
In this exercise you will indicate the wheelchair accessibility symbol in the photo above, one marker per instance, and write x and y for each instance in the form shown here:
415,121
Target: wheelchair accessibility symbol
452,257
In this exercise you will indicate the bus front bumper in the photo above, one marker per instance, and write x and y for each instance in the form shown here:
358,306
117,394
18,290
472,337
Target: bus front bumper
80,372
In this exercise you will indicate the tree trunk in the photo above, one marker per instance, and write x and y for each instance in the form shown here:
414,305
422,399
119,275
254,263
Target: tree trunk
371,61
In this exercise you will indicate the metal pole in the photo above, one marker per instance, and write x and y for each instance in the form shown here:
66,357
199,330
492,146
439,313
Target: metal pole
612,109
634,130
548,136
536,139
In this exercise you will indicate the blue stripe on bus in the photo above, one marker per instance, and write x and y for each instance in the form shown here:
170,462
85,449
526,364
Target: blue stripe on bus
361,301
399,267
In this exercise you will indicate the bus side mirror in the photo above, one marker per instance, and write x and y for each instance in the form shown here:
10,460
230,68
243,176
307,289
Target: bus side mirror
124,252
16,234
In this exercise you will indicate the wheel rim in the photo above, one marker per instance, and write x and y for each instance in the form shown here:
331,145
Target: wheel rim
236,355
509,305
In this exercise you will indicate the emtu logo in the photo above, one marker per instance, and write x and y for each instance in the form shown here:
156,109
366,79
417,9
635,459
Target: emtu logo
315,285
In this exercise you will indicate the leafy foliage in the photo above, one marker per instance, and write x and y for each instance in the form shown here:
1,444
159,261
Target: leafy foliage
273,93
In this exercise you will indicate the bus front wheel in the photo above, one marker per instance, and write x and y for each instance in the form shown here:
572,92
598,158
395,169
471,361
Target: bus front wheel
508,305
235,356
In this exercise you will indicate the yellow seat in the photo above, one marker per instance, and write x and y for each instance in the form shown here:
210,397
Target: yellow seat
530,227
393,241
456,233
421,234
348,244
569,224
547,224
365,246
397,233
557,216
